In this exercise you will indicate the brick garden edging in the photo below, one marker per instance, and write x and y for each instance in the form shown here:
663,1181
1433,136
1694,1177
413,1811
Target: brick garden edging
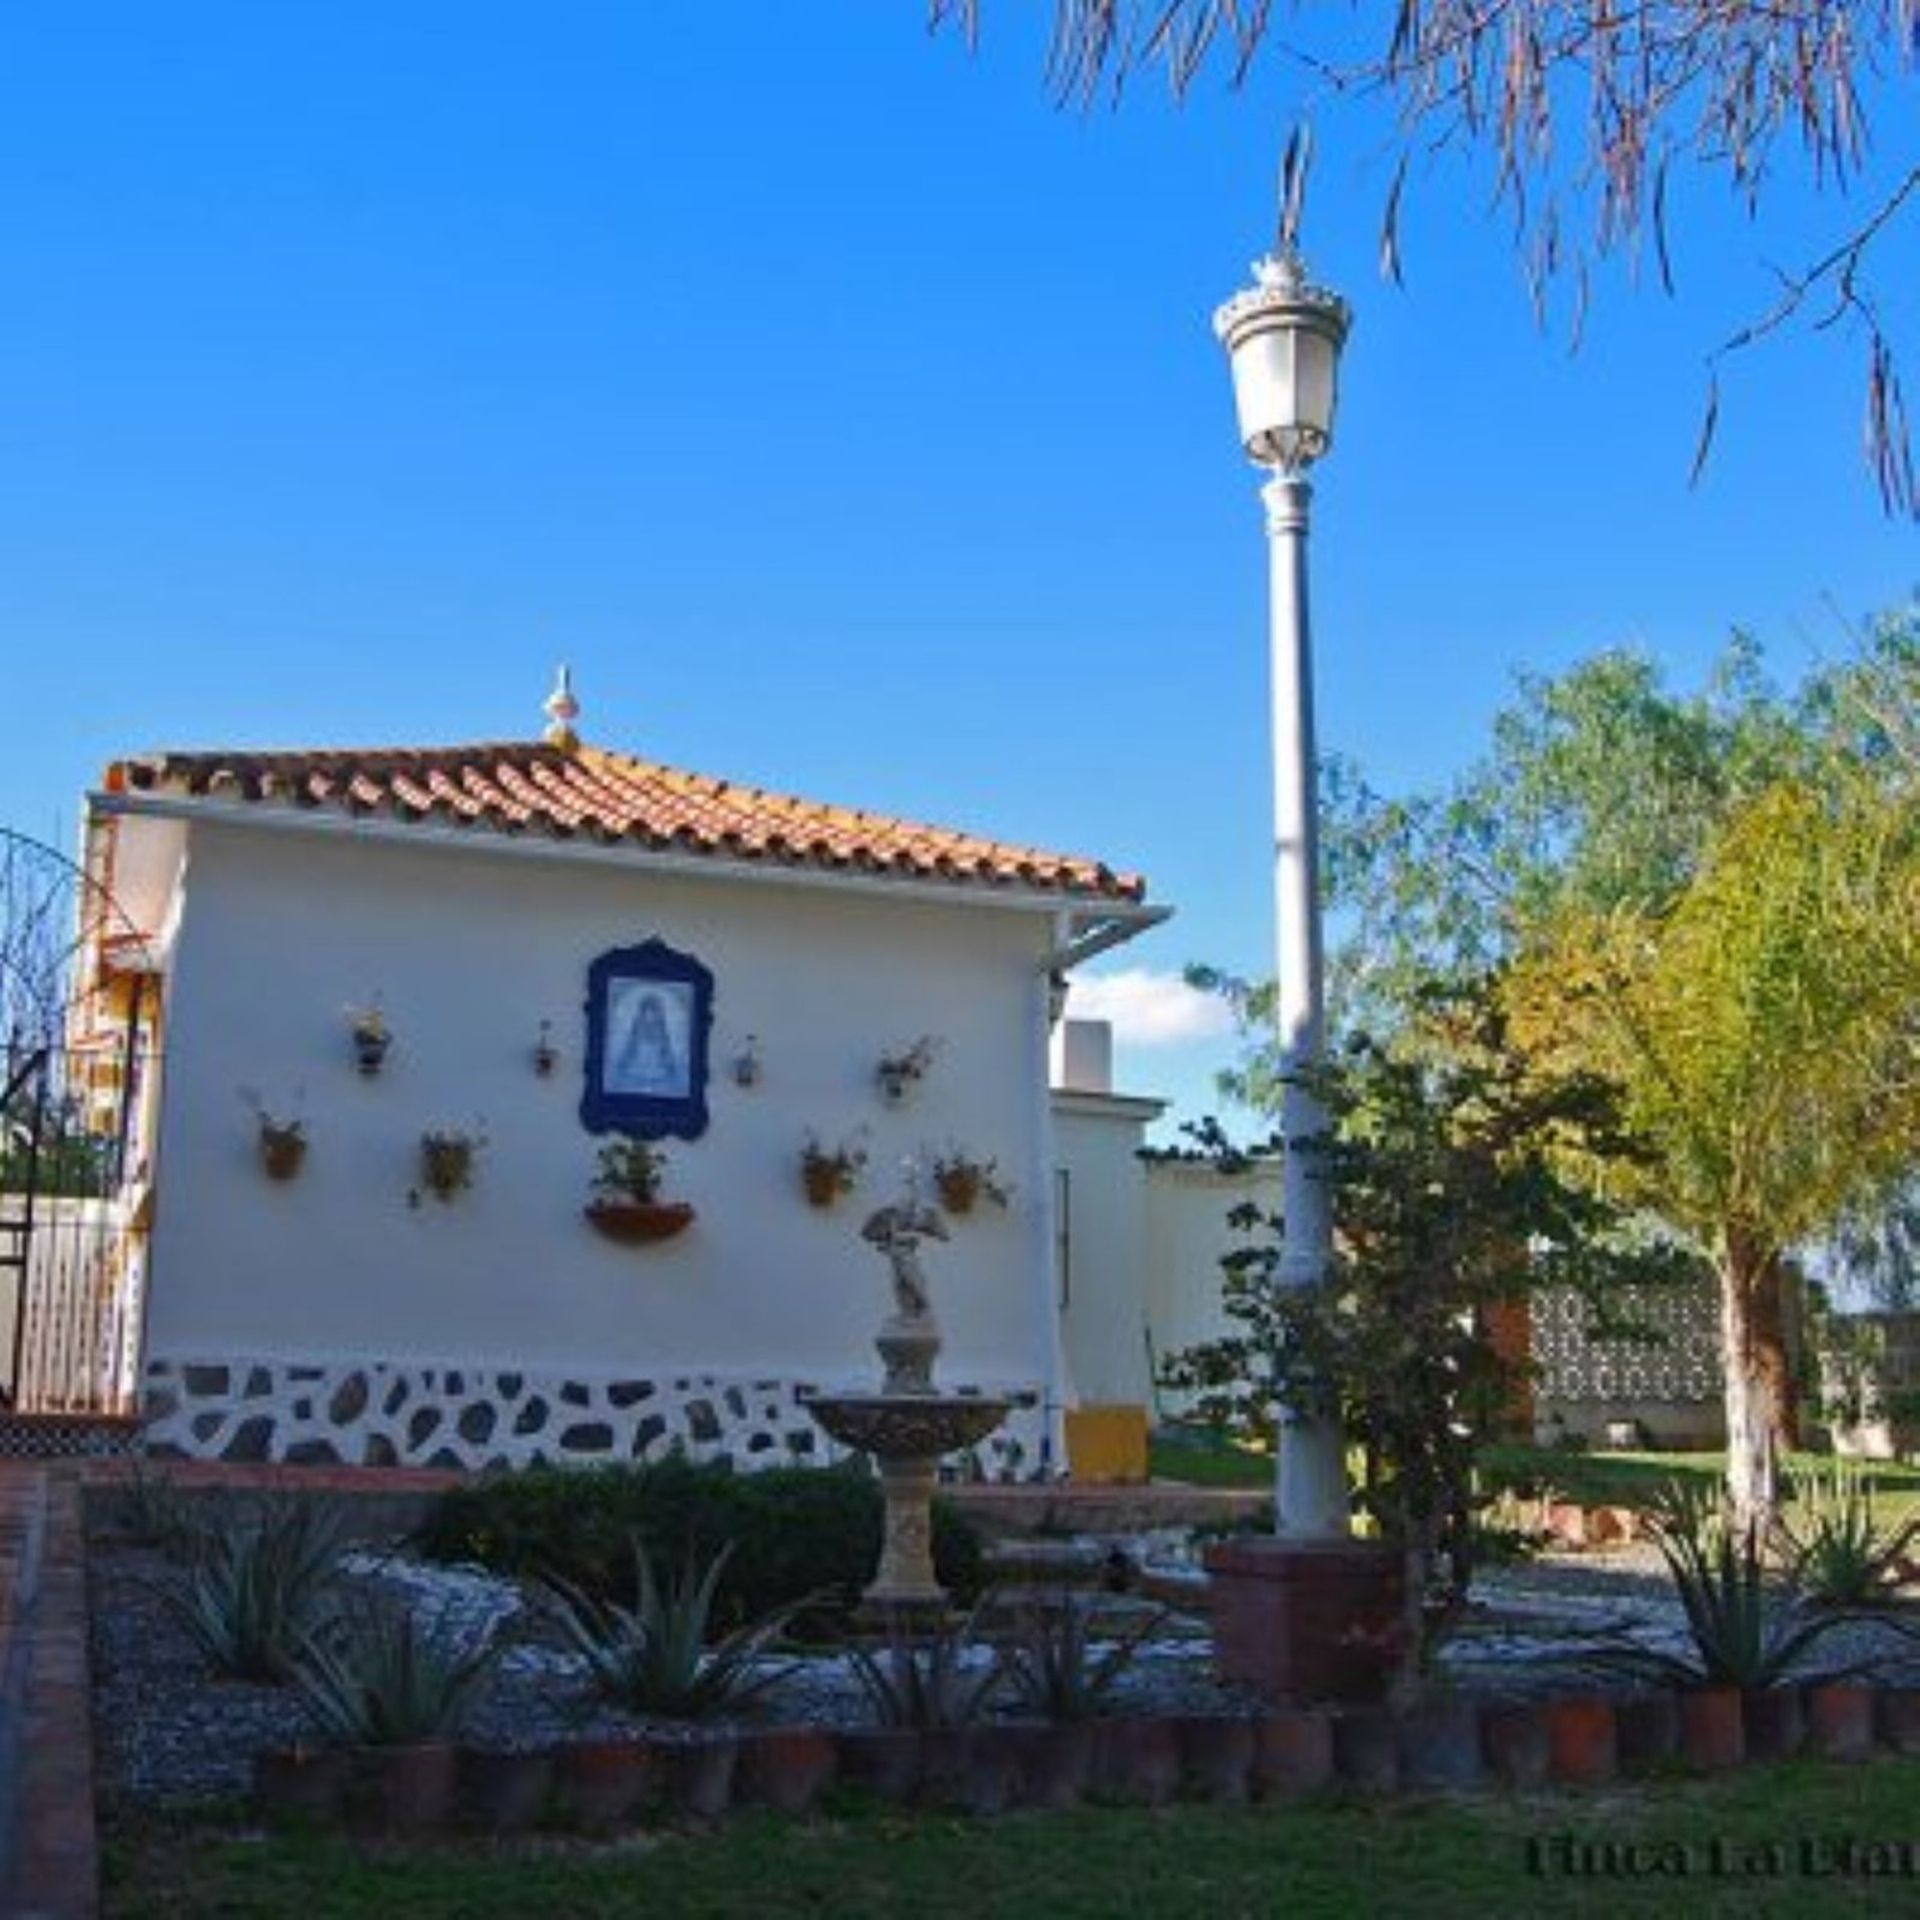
1278,1754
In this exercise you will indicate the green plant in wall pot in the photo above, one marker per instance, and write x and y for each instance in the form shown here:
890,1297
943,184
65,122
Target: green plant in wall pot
828,1172
371,1036
447,1159
282,1139
962,1180
625,1202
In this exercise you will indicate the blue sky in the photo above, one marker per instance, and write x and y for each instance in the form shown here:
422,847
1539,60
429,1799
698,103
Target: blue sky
846,413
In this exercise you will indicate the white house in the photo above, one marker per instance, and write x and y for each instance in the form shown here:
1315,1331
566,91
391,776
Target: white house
498,900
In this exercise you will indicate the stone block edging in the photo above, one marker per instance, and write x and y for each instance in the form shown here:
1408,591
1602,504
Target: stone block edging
1280,1753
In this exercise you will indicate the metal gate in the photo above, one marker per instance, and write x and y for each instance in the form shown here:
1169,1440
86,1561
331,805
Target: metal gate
77,1004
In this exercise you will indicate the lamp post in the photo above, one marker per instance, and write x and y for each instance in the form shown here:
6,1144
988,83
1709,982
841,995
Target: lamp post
1283,337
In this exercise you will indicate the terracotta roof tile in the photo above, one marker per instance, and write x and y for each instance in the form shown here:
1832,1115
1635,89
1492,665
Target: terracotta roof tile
530,787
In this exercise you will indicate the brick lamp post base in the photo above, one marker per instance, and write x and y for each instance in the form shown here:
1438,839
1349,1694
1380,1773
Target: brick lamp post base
1297,1622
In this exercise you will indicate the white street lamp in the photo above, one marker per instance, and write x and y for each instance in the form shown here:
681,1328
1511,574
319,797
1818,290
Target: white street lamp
1283,337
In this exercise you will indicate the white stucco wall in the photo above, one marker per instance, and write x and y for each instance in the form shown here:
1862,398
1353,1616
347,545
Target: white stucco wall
1187,1204
1104,1245
469,951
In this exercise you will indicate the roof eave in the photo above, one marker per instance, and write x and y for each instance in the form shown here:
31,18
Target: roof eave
1085,908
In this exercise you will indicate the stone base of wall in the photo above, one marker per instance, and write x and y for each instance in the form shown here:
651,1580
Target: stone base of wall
387,1413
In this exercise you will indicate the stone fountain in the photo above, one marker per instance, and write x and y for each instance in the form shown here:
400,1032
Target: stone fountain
908,1425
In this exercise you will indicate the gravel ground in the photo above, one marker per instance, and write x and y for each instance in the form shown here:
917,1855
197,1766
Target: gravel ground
167,1729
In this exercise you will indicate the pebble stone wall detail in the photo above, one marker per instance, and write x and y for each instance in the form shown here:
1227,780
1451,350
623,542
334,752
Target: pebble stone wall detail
381,1413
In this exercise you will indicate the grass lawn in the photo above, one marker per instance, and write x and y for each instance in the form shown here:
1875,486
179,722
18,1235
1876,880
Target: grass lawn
1200,1458
1763,1842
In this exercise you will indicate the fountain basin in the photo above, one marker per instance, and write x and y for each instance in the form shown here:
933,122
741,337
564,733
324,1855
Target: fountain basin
907,1426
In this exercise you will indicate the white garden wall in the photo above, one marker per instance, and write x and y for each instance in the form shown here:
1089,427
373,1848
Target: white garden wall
469,951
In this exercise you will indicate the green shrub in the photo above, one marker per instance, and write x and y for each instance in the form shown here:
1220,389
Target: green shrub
794,1532
660,1655
1840,1552
386,1676
258,1584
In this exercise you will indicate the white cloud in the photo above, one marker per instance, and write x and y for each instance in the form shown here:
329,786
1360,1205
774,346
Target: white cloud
1149,1009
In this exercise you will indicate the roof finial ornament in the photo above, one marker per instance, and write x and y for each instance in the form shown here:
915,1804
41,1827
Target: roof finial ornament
562,711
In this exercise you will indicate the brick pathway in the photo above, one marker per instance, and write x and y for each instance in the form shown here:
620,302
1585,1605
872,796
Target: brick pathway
49,1868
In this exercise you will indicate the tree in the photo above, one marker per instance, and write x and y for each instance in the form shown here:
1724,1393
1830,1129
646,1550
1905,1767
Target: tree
1450,1156
1595,120
1710,899
1765,1032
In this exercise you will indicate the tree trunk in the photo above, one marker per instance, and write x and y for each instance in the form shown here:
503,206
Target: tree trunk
1759,1383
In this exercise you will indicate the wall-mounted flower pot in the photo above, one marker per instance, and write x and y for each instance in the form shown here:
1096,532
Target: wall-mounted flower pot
958,1188
636,1223
310,1782
370,1046
822,1183
283,1152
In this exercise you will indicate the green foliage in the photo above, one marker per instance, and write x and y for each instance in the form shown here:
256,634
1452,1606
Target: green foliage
655,1657
1057,1669
935,1681
150,1508
1749,1628
1842,1556
258,1585
388,1677
1446,1163
794,1532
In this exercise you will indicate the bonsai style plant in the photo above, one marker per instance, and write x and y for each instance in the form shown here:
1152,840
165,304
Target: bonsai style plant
626,1203
283,1143
828,1172
961,1181
898,1072
447,1158
371,1036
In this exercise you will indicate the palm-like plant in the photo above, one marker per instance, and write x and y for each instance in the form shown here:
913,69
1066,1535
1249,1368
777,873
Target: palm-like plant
255,1590
391,1677
1749,1626
1055,1669
930,1681
657,1656
1840,1553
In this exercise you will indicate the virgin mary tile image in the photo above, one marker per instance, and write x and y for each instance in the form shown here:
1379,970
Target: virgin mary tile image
649,1039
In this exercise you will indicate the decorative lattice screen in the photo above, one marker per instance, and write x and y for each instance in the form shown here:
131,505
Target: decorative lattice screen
1682,1364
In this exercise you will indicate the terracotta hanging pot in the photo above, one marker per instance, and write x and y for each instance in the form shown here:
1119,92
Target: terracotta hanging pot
636,1223
283,1151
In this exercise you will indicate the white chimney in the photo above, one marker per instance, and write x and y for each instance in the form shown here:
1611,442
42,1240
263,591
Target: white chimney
1083,1056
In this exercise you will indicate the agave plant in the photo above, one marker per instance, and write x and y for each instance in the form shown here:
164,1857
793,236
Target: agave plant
1840,1553
257,1588
1749,1626
930,1681
388,1677
1057,1669
655,1657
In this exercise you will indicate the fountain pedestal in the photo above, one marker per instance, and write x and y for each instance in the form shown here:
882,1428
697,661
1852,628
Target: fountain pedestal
907,1426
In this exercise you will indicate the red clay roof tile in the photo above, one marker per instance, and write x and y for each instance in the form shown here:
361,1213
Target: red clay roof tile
521,787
